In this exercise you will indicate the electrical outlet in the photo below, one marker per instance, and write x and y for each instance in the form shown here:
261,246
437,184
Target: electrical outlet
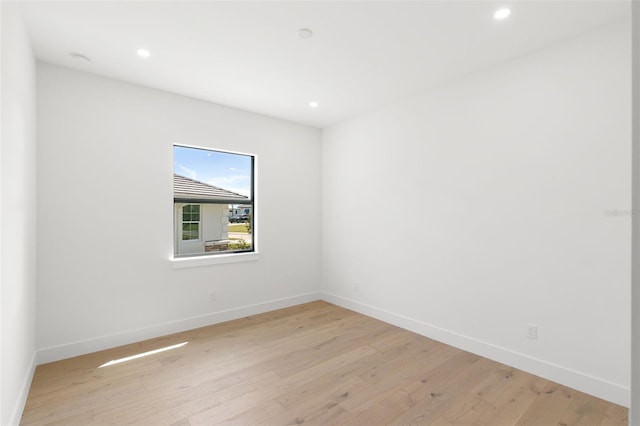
213,296
532,331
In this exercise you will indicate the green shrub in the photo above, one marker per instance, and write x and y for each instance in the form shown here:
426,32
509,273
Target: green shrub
239,245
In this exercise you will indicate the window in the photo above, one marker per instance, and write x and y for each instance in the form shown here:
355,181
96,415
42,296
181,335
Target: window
191,222
213,200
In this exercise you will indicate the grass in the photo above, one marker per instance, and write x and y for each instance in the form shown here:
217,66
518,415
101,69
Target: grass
238,227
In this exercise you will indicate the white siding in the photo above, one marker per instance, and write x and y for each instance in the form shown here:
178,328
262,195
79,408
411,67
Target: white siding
214,226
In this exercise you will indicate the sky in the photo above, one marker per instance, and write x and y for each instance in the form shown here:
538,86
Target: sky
224,170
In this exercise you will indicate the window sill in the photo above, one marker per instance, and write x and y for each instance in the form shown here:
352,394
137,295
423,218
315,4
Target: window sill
219,259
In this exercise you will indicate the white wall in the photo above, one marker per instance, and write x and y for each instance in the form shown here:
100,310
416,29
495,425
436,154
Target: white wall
634,417
18,217
507,175
105,216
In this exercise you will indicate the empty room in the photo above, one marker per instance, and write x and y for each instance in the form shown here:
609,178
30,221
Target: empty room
323,212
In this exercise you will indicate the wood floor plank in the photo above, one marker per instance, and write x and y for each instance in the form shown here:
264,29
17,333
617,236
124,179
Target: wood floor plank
584,410
145,406
314,363
254,415
431,376
616,416
384,408
511,398
305,383
447,387
324,404
549,407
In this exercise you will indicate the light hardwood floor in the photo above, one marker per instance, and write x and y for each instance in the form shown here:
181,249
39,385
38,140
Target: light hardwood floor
310,364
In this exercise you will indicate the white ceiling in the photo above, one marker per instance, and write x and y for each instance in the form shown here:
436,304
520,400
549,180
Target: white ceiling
246,54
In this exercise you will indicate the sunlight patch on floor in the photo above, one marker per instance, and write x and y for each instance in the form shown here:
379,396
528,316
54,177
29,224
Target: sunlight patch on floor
132,357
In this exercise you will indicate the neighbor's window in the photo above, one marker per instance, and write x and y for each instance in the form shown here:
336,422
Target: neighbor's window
213,201
191,222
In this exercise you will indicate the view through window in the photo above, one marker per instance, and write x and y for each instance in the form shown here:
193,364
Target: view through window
213,201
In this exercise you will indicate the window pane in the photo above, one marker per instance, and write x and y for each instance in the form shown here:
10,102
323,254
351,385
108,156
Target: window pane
190,231
222,214
191,213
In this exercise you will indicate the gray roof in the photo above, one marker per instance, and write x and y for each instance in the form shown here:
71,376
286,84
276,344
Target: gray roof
191,190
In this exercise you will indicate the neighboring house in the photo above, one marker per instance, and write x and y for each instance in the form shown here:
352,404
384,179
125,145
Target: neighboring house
201,214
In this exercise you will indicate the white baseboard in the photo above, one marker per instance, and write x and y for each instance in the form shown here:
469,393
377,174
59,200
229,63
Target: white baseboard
583,382
16,414
69,350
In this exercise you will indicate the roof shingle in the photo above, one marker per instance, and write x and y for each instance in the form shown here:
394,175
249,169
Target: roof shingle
187,189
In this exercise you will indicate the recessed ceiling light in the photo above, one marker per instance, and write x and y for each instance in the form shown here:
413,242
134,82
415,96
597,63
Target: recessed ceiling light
502,13
143,53
80,56
313,104
305,33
